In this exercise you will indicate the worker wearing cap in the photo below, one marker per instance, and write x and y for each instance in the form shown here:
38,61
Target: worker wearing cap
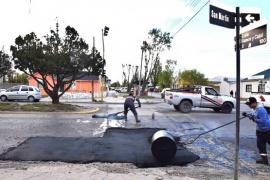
129,103
260,116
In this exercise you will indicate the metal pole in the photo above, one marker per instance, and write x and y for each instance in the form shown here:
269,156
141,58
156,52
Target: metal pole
92,94
237,93
139,88
102,78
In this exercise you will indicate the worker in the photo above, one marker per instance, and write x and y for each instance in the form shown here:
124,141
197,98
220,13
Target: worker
259,116
129,104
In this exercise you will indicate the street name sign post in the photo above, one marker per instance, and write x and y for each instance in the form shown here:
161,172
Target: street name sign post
225,16
254,34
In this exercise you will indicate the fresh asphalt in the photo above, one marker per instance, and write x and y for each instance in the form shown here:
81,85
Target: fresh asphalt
117,144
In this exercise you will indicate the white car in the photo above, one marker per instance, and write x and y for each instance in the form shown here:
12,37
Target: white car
21,92
164,91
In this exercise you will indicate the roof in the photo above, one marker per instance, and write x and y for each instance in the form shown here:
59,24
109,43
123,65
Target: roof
219,79
261,75
84,78
89,77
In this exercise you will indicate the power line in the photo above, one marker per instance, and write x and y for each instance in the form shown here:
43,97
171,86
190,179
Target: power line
191,18
192,4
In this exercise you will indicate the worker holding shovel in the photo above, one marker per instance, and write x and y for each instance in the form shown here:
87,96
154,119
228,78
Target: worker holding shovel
129,104
260,117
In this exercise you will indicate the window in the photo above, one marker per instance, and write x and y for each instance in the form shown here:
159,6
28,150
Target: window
73,86
31,89
39,85
16,88
248,88
24,88
210,91
261,88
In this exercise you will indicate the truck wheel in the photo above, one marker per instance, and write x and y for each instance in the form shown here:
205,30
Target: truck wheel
226,108
216,109
185,107
176,107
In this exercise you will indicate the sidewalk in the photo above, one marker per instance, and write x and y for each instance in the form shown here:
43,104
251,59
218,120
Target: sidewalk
106,100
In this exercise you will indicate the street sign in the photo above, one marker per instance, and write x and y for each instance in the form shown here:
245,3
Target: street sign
249,16
254,34
221,17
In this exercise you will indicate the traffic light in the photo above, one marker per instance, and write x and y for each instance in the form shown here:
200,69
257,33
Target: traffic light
103,73
106,29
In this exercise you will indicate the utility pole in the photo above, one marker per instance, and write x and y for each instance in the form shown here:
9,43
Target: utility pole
102,78
139,88
93,51
105,33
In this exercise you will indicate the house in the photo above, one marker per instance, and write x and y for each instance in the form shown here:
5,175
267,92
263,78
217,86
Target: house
83,84
221,84
259,82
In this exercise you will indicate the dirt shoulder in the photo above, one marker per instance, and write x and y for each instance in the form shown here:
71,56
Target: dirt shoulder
111,171
45,107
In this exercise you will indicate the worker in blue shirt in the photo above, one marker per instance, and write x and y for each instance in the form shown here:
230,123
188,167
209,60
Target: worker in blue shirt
259,115
129,104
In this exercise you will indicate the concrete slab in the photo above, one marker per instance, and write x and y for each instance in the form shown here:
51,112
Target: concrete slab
118,145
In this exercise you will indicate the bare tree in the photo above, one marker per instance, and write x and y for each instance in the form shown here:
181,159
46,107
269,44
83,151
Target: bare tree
158,42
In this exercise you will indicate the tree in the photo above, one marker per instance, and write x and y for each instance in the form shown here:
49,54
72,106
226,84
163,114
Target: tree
21,78
165,78
193,77
5,64
115,84
58,61
151,50
157,69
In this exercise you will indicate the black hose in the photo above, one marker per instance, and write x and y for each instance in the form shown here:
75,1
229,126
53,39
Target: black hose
210,131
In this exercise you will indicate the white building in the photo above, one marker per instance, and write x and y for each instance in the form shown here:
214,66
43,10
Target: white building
259,82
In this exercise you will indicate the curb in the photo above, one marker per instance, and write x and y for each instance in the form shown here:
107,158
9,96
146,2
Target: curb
96,109
86,112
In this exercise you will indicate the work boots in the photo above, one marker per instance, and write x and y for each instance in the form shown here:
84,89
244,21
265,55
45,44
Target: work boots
137,120
263,160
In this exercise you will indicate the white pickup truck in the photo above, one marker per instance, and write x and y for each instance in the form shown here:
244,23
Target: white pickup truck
199,96
264,98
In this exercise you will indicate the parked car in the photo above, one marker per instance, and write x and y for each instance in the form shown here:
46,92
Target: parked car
163,92
21,92
124,89
157,90
118,89
151,89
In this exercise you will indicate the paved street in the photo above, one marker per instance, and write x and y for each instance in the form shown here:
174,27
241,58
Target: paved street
19,132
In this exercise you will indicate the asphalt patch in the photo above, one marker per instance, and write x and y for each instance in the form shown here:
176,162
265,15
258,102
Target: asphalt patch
118,145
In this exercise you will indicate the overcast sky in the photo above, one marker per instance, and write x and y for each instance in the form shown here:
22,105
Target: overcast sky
198,45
